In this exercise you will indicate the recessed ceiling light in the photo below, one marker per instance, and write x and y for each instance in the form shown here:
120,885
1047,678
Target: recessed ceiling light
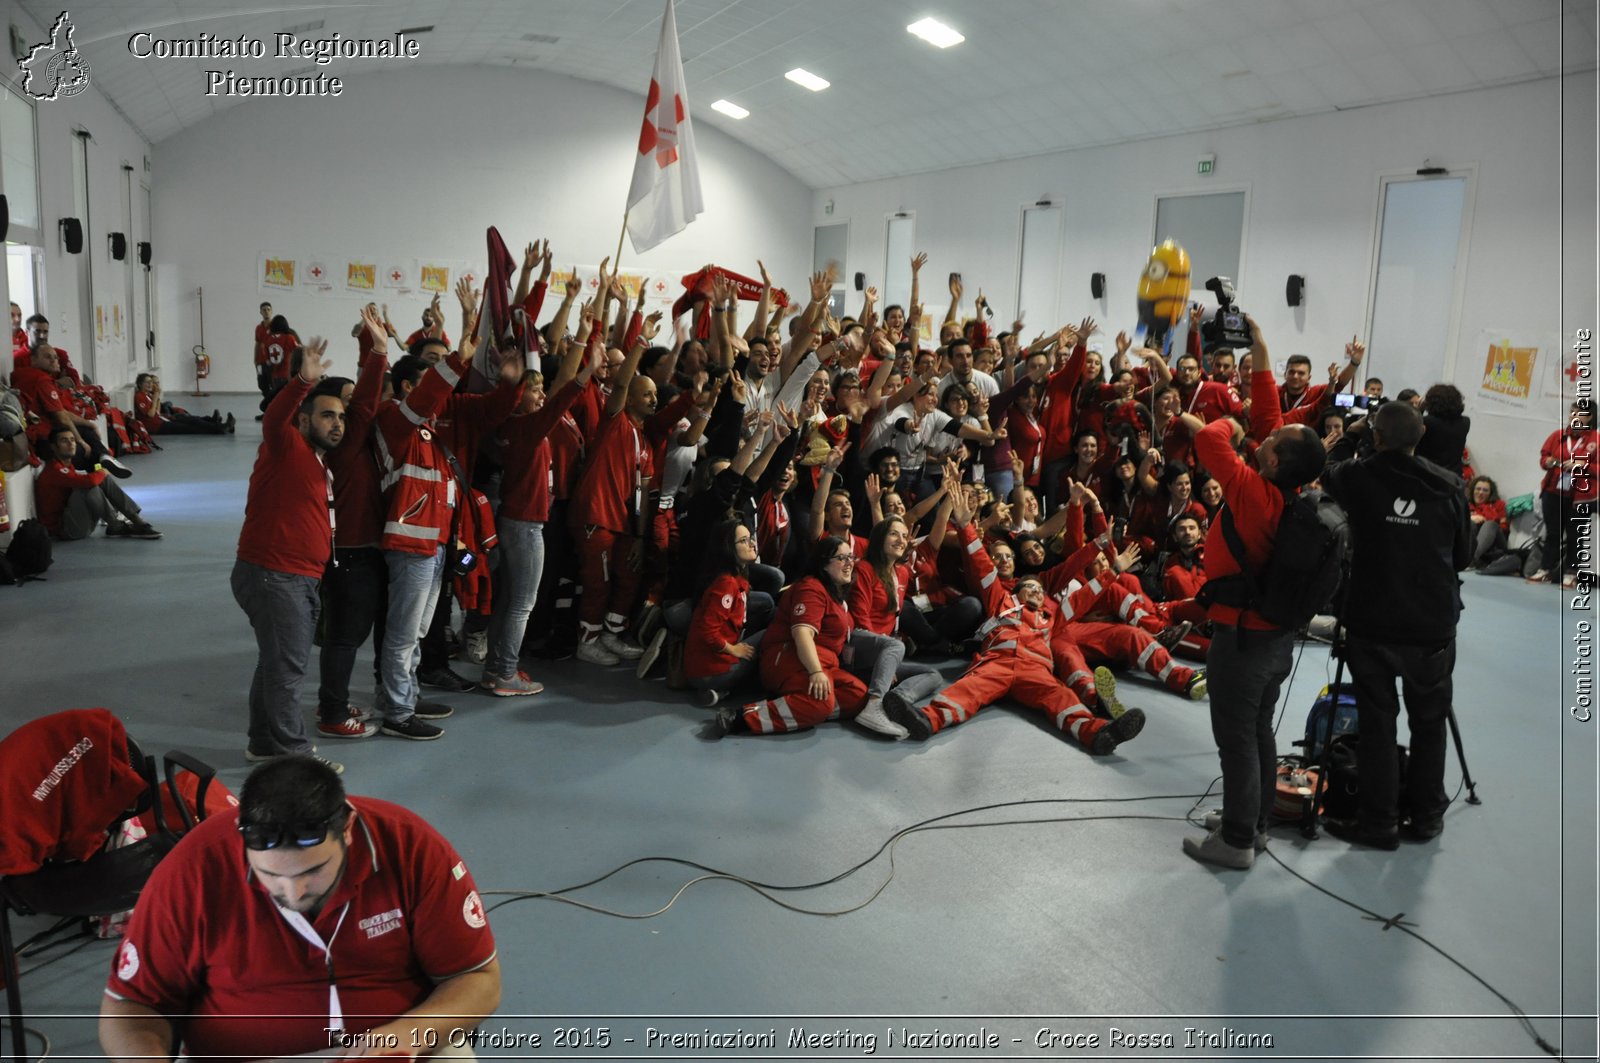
935,33
804,77
732,110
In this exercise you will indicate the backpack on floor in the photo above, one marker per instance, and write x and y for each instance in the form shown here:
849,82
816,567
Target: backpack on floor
30,552
1341,798
1339,706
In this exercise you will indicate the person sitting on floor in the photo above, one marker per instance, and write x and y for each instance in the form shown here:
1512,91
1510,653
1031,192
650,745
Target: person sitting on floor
160,417
73,502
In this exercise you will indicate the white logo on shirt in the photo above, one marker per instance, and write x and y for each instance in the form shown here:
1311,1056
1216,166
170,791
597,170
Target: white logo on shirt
127,961
472,911
800,610
727,601
1404,507
382,923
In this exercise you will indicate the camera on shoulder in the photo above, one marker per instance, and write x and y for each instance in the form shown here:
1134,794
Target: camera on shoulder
1227,328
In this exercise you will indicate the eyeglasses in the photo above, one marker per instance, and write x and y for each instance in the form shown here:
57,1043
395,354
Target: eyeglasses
848,559
743,539
265,836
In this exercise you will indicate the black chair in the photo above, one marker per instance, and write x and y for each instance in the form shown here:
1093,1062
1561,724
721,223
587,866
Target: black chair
106,883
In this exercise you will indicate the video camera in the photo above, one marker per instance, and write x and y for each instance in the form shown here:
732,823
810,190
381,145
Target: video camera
1227,328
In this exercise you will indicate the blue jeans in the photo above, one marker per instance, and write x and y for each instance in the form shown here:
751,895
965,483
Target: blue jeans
1245,670
1001,482
742,671
414,581
282,608
516,588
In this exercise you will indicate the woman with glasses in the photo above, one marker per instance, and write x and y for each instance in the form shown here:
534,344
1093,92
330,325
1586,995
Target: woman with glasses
802,657
730,619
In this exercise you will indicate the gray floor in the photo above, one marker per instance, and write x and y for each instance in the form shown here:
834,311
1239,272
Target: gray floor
1058,926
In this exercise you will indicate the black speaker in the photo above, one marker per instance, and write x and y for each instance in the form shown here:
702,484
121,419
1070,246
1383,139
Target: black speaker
5,217
1097,285
1295,289
119,246
144,253
72,235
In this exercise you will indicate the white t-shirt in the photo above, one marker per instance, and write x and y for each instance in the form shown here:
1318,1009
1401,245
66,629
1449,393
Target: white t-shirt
981,382
934,438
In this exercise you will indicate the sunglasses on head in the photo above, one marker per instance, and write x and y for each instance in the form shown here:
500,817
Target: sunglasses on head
264,836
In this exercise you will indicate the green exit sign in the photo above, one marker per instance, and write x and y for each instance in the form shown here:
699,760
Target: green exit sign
1205,165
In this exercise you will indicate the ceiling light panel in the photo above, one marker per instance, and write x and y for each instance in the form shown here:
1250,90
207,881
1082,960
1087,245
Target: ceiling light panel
935,33
806,79
732,110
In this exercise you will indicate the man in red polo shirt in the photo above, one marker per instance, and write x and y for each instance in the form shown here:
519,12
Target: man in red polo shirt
72,502
284,547
304,921
42,396
1206,399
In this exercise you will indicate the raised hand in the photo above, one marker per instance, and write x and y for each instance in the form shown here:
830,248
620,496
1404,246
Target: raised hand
532,254
1123,343
819,287
955,288
1128,558
872,488
766,278
1355,350
651,327
918,260
1087,328
465,296
375,329
312,366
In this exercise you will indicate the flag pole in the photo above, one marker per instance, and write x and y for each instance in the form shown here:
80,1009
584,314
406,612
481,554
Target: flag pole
616,263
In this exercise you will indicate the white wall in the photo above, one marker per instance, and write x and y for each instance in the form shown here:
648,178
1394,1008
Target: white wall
67,300
1312,199
420,163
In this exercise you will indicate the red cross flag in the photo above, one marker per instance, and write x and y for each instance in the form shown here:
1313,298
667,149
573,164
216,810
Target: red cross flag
665,196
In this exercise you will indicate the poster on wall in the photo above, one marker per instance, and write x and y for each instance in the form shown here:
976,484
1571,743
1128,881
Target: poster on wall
1510,363
315,276
434,278
275,273
116,322
400,276
1565,376
360,277
99,327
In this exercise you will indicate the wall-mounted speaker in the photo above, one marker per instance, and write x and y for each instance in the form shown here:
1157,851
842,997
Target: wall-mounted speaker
1097,285
72,235
1294,291
144,253
119,246
5,217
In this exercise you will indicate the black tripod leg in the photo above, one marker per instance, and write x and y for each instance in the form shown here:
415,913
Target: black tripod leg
1461,755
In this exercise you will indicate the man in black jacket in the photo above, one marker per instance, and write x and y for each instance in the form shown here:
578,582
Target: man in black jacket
1410,535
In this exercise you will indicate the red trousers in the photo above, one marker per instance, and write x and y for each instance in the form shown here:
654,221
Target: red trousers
1097,642
1194,645
790,707
1025,679
610,583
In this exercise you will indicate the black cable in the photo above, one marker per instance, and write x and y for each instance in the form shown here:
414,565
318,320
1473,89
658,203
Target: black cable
44,1042
939,823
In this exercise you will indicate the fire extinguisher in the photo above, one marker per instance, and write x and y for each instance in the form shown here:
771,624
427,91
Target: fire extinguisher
202,363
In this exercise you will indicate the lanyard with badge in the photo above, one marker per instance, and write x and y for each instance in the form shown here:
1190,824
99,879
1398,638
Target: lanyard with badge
303,927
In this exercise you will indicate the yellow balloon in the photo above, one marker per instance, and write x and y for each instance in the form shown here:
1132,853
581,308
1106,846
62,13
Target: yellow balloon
1164,287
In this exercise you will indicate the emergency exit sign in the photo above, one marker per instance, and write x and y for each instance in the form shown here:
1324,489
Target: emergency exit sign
1205,165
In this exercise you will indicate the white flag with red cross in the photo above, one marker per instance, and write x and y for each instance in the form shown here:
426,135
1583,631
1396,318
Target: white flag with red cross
665,195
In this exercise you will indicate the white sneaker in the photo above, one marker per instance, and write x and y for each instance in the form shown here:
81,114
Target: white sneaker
873,718
594,652
619,647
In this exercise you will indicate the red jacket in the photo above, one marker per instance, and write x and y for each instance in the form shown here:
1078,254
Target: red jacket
57,480
421,490
718,621
1056,412
1256,502
1564,445
1012,630
286,525
530,475
357,499
1180,580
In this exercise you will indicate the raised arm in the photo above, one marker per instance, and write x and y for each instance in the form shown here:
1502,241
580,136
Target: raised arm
758,324
630,366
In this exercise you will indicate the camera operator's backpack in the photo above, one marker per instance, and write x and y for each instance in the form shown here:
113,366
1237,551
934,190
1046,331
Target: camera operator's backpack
1302,575
1335,705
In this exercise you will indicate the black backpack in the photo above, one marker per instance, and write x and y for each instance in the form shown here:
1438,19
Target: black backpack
30,551
1304,572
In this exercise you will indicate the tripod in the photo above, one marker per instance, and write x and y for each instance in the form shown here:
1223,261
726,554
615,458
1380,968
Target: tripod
1308,819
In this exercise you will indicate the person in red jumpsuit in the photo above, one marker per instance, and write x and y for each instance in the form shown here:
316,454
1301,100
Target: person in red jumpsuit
1016,661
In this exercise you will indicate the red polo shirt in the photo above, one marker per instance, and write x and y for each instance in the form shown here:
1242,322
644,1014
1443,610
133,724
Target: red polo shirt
286,526
207,941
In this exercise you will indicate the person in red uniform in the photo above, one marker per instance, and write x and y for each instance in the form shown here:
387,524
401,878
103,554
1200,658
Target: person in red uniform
432,327
421,438
725,632
608,514
1567,494
284,547
1249,657
803,657
36,384
263,366
1490,525
355,590
1015,662
1299,394
19,335
525,495
148,411
1206,399
307,919
72,502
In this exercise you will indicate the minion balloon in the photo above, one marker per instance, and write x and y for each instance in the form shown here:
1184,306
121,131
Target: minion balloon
1164,288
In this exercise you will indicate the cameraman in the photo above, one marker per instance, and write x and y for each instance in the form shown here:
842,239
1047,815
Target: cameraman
1409,537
